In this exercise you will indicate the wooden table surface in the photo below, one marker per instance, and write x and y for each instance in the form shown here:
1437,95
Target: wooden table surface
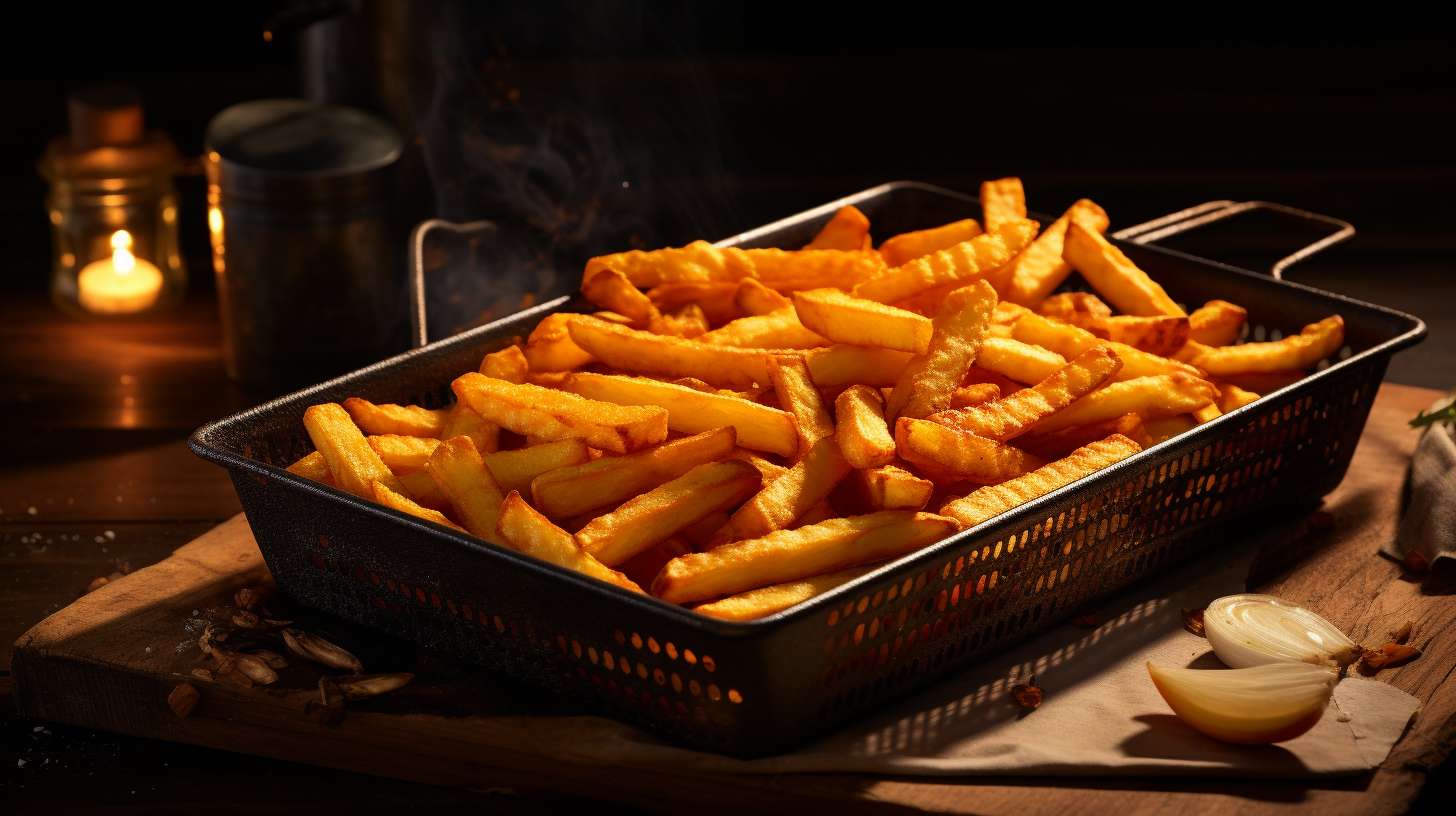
95,478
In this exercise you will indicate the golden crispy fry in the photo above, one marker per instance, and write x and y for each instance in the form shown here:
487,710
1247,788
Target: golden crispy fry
848,229
1078,308
847,319
907,246
892,488
985,376
419,487
508,364
462,476
1156,335
667,509
860,428
1314,343
788,497
548,379
550,347
688,411
797,395
929,380
1023,362
1116,278
410,420
715,299
533,411
1057,444
609,481
775,330
398,451
1216,323
1040,268
527,531
698,262
950,451
1207,413
1151,397
961,264
647,353
312,467
516,469
974,394
644,566
753,298
352,463
1231,397
1165,428
841,365
404,504
611,290
461,421
821,511
988,502
1069,341
1017,413
788,271
689,321
1002,200
760,603
792,555
768,470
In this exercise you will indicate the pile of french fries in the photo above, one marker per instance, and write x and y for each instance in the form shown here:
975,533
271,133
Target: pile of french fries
740,430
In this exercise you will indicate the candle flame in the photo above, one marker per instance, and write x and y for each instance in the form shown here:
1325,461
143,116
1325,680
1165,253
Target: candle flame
121,258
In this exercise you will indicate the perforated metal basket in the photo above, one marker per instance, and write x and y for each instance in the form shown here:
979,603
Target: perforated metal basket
763,686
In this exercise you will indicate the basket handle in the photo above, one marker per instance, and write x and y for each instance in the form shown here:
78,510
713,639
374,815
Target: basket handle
419,306
1212,211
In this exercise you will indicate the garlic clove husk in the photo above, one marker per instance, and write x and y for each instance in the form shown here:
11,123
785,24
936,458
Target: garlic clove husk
1252,630
1263,704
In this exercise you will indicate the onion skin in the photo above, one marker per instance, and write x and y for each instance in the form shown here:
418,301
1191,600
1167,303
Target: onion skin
1231,727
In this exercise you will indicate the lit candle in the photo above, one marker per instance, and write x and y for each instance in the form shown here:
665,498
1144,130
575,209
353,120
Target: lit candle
119,284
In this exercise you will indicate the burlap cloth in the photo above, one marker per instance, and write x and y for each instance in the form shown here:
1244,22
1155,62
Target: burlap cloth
1428,526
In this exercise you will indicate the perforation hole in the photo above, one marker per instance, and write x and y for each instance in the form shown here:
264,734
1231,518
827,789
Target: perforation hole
636,641
652,645
734,697
709,664
671,650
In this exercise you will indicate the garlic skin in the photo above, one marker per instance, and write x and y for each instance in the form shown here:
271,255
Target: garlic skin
1253,630
1274,702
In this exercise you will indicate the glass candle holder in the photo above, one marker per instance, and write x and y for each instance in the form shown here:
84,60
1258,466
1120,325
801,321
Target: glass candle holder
113,210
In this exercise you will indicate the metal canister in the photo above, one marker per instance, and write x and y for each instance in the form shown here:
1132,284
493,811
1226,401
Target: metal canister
307,246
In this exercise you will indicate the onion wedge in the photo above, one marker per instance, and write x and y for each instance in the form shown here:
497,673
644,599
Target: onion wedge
1269,703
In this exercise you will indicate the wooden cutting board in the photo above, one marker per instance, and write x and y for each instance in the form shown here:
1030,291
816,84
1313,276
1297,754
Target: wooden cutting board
111,659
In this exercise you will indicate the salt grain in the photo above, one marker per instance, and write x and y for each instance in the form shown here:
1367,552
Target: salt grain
110,536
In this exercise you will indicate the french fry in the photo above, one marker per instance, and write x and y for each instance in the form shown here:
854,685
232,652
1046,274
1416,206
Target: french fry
892,488
797,395
688,411
1262,382
907,246
550,347
609,481
988,502
527,531
793,555
1232,397
1017,413
860,428
1078,308
644,566
940,449
974,394
1156,335
788,271
785,499
1314,343
409,420
929,380
715,299
1117,279
462,421
1022,362
312,467
768,470
508,364
1069,341
398,451
1216,323
848,229
843,318
666,509
690,321
841,365
632,350
981,258
354,466
1040,268
1207,413
1150,397
1057,444
753,298
393,500
775,330
1165,428
760,603
533,411
985,376
1002,200
516,469
461,474
821,511
611,290
698,262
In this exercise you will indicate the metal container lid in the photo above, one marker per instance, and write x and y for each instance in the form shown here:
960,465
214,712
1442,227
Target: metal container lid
293,153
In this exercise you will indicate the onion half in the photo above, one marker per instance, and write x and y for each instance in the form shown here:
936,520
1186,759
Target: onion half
1269,703
1253,630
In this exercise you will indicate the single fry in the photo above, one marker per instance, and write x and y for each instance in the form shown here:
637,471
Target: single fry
689,411
1207,413
797,395
612,291
609,481
843,318
1069,341
848,229
1156,335
940,449
312,467
508,364
1002,200
907,246
788,271
542,413
775,330
1216,323
841,365
1314,343
690,321
715,299
354,465
698,262
1022,362
974,394
516,469
760,603
980,258
550,347
419,487
527,531
781,502
753,298
461,421
1165,428
860,428
1232,397
393,500
410,420
1057,444
1018,413
988,502
892,488
1078,308
398,451
632,350
666,509
1117,279
462,476
1153,397
793,555
929,380
1040,268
